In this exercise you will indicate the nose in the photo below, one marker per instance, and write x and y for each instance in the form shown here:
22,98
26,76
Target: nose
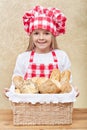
41,36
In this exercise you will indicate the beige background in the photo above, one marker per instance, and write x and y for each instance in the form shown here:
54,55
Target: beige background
13,40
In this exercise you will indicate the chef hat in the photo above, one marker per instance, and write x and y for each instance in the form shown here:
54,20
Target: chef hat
51,19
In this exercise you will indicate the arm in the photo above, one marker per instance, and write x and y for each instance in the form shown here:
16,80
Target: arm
20,68
67,66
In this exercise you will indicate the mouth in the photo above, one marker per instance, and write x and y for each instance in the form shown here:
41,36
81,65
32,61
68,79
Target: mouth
41,42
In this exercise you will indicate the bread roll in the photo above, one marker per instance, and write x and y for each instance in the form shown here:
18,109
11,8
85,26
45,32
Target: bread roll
65,87
58,84
18,81
17,90
39,80
48,87
65,75
55,74
29,87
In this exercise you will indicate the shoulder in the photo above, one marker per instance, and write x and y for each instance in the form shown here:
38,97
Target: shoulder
23,57
60,53
24,54
63,60
62,56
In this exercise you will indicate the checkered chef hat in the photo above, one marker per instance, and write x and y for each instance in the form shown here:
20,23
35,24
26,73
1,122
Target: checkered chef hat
51,19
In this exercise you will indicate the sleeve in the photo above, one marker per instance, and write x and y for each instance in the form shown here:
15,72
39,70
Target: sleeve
20,68
66,64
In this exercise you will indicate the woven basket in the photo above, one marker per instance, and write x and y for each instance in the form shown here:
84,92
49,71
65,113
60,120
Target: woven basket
42,114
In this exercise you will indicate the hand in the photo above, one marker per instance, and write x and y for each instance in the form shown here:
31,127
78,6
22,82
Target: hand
5,90
78,93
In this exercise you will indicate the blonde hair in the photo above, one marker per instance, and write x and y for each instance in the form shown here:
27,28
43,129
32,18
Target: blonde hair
31,45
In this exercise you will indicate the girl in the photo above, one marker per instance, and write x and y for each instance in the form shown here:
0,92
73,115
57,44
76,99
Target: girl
42,55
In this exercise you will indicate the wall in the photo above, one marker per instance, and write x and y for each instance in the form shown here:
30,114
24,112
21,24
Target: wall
13,40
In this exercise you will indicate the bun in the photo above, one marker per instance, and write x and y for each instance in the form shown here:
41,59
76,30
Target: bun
65,87
65,75
39,80
18,81
55,74
48,87
61,80
58,84
29,87
17,90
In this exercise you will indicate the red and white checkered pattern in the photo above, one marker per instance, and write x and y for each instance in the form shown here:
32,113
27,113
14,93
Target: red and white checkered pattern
50,19
40,70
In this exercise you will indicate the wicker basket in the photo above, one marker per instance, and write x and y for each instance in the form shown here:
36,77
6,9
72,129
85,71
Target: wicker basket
42,114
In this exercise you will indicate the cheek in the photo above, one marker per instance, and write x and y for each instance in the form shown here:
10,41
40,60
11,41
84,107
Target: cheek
49,39
34,39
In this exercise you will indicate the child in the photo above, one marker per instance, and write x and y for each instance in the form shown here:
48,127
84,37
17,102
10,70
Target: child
42,55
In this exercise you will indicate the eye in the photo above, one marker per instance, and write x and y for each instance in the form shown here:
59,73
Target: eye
35,33
47,33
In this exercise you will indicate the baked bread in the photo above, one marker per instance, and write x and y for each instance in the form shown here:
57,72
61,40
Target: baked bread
48,87
55,74
39,80
65,87
29,87
17,90
65,75
58,84
18,81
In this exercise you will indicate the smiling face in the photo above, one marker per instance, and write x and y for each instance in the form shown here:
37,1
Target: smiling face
42,39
